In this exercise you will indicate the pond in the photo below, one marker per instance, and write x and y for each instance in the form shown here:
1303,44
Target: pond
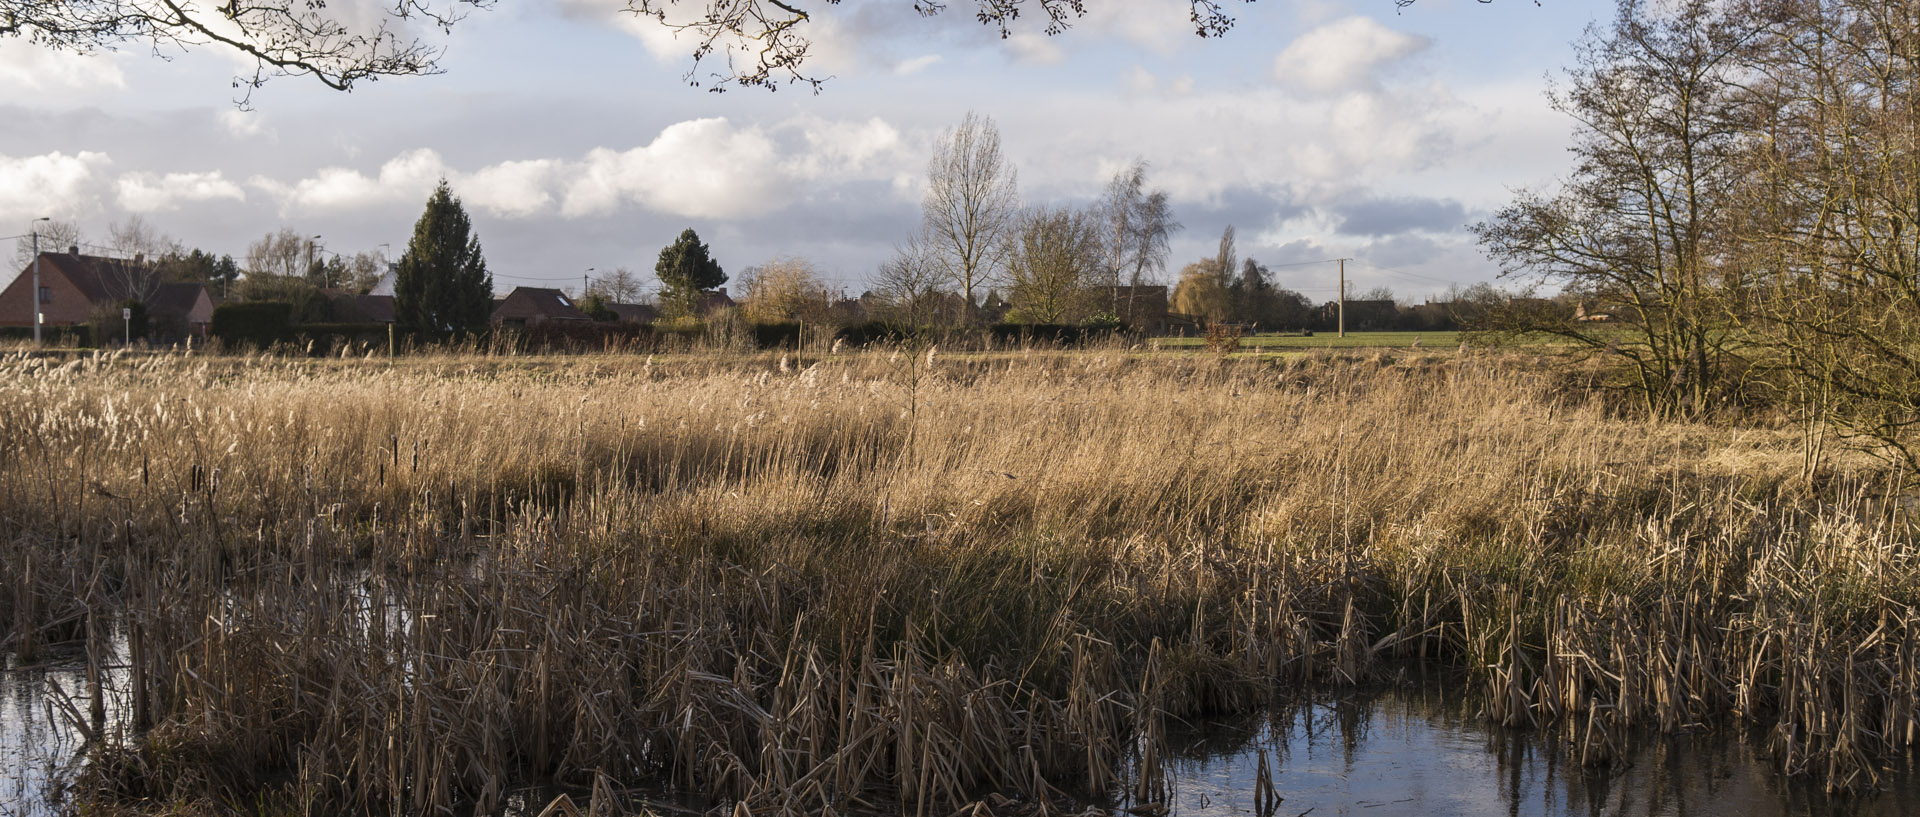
1402,752
1373,754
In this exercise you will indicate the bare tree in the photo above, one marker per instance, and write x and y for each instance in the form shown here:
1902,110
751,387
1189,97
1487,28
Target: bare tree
1832,214
55,236
971,205
282,253
1053,260
1640,228
1138,228
336,46
908,285
785,289
620,286
136,251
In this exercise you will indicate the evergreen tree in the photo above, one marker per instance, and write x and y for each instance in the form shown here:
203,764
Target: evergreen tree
442,287
687,270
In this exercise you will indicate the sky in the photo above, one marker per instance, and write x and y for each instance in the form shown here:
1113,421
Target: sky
1316,128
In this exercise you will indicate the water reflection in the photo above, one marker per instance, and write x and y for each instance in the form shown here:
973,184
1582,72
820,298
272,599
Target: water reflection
38,749
1426,752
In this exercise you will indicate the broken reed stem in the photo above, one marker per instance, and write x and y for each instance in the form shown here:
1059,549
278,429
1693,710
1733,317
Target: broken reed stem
746,580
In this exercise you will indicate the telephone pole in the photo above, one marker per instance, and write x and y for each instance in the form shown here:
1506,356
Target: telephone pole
35,295
1343,297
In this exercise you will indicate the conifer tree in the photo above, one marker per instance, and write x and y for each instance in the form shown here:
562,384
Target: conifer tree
687,271
442,287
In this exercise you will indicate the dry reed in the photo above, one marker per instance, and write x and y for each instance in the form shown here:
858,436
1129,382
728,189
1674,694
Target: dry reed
905,580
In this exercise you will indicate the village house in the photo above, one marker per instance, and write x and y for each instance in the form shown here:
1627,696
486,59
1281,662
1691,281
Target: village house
74,288
530,306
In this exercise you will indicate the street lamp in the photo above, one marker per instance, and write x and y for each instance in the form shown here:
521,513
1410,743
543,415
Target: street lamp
35,229
310,246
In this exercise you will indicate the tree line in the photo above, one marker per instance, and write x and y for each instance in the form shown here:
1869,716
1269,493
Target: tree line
1745,202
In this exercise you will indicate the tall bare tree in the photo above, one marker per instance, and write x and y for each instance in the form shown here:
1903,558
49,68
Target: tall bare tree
971,205
1640,227
1832,213
1138,227
136,251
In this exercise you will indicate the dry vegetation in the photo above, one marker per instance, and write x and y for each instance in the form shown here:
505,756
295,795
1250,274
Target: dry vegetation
902,581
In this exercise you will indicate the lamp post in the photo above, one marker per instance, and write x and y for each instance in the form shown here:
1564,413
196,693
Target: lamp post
583,282
310,246
35,294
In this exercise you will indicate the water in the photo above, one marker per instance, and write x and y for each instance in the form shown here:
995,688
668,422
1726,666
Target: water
1420,753
1378,754
39,749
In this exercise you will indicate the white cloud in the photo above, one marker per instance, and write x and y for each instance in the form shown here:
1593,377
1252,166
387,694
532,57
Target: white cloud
48,185
148,193
407,177
242,124
1344,55
703,168
26,68
512,189
915,65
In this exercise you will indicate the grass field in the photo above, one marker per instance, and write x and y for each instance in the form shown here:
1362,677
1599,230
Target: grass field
1331,340
902,580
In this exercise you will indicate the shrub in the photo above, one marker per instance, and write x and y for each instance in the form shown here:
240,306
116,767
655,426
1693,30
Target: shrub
255,323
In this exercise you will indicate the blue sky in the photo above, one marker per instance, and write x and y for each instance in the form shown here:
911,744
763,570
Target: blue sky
1317,129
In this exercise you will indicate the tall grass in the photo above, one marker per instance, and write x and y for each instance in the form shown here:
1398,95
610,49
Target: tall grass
906,580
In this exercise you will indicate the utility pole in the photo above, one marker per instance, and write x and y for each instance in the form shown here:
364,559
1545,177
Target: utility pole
310,247
1343,297
35,295
583,283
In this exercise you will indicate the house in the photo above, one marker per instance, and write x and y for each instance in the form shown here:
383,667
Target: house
527,306
633,313
711,302
73,287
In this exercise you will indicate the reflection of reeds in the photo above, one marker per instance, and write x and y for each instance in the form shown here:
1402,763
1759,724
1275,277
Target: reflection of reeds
403,588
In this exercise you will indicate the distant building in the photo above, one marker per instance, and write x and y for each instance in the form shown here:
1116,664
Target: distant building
528,306
74,286
633,313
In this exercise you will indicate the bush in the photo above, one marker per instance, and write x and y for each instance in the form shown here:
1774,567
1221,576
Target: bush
1058,334
779,335
78,335
256,323
871,332
108,326
585,336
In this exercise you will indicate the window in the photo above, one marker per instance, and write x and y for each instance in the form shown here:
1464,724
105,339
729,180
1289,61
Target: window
46,295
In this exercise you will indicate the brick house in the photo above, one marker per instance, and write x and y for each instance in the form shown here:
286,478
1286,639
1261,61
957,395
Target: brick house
74,286
526,306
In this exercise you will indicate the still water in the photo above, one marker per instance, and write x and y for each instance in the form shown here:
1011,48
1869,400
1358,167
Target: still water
1398,752
1378,754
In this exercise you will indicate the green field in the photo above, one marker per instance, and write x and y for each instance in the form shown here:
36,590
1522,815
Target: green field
1353,340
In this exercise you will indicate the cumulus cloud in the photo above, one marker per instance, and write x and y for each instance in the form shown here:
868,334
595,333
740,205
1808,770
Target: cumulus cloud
1344,55
26,67
407,177
46,185
149,193
701,168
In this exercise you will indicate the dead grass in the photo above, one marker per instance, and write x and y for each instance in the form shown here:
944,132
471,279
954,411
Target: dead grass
901,580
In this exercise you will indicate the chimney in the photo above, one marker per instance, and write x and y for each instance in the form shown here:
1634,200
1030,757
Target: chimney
723,292
73,249
139,259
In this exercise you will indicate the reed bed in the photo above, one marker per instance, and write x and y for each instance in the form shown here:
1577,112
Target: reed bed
898,581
